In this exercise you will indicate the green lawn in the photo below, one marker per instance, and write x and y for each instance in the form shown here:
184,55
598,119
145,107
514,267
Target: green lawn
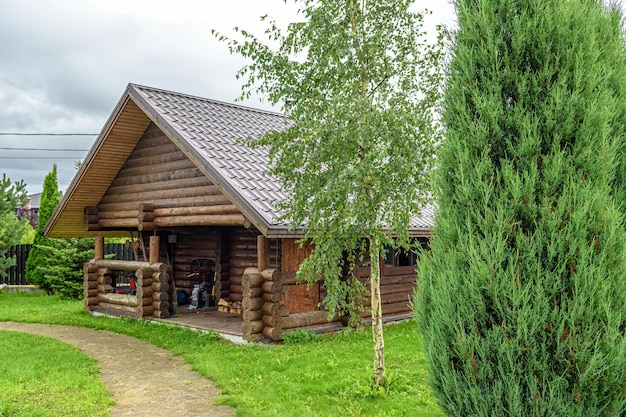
40,376
329,376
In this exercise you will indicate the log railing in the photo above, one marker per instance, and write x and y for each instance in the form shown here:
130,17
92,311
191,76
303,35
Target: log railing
151,299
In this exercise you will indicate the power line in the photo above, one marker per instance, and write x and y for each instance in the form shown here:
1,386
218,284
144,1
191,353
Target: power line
45,149
40,157
46,134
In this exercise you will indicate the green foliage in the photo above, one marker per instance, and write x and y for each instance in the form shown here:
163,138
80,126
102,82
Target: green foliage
522,299
12,196
29,235
63,273
40,376
56,265
298,336
320,378
360,84
37,258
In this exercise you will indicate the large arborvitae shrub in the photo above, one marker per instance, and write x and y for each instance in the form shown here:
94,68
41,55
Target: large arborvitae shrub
56,265
63,274
37,261
522,300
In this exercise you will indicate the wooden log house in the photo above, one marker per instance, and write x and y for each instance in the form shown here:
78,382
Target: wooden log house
173,172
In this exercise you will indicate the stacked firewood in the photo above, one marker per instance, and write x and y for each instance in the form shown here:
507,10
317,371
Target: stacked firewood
225,306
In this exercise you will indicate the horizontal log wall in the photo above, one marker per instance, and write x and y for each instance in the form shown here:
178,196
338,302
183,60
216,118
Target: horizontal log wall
196,243
224,263
298,298
242,253
159,187
396,290
300,303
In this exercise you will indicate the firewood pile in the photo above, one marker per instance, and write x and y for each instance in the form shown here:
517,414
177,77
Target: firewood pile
233,307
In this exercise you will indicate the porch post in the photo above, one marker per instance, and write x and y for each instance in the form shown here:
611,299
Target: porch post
154,249
98,248
263,253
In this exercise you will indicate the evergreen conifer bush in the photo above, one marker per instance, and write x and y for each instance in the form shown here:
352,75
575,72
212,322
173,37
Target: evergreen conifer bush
38,261
56,265
12,196
522,299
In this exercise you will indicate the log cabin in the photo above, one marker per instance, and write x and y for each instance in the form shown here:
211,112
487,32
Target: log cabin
173,173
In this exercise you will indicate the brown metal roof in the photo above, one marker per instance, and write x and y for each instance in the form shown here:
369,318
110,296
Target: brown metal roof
210,133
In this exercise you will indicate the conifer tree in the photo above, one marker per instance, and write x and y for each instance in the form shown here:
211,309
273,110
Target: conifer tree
522,299
37,258
12,196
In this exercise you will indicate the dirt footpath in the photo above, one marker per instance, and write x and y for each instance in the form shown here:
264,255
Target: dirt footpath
143,387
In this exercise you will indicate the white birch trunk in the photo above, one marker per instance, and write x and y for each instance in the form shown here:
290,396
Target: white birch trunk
377,314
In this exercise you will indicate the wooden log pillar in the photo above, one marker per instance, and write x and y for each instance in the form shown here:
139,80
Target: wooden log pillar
155,246
272,310
145,306
251,304
90,285
161,296
263,252
98,248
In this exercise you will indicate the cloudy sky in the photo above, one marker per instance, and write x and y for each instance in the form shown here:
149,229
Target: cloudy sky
65,63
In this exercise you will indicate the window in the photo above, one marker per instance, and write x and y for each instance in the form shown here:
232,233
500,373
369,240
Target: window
401,262
399,258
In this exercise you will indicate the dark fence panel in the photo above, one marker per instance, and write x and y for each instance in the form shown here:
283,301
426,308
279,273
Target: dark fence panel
119,250
17,274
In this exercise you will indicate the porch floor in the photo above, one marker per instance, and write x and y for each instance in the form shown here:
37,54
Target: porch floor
208,318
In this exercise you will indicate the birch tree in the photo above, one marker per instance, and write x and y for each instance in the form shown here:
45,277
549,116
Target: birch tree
360,80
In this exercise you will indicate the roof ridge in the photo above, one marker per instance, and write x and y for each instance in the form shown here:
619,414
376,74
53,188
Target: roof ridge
209,100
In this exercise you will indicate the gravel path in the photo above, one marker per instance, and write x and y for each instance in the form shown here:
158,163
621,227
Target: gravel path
160,384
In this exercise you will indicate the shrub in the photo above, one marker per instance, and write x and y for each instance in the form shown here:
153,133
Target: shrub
64,272
522,299
298,336
37,260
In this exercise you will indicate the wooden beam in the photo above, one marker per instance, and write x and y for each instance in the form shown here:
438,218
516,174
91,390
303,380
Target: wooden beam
207,220
191,197
98,247
154,249
263,252
196,211
132,223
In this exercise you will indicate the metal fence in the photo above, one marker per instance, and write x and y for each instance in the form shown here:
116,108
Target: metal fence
16,275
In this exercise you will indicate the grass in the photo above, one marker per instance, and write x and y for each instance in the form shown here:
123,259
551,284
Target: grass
327,376
43,377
